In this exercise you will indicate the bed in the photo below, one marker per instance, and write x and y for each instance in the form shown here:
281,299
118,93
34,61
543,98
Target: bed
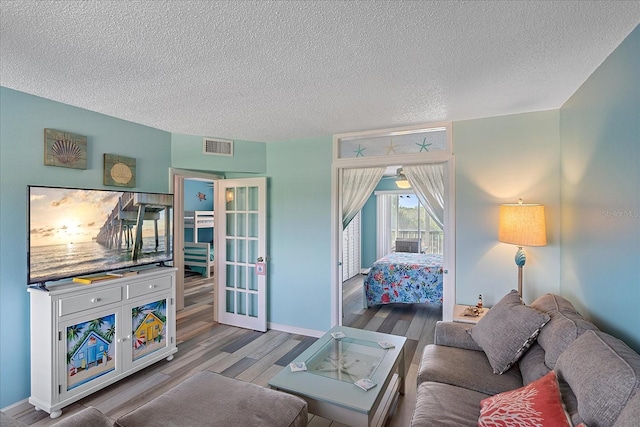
196,220
402,277
198,257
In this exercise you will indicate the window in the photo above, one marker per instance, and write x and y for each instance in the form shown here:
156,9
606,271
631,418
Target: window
410,223
405,226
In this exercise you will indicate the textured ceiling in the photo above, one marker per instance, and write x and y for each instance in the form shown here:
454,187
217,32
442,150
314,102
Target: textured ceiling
273,70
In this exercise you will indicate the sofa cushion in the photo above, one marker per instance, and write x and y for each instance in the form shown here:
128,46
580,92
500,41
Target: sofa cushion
532,364
565,326
630,415
537,403
454,334
603,372
465,368
208,396
444,405
89,416
507,331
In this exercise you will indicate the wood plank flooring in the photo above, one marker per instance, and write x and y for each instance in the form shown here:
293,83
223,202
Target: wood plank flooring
250,356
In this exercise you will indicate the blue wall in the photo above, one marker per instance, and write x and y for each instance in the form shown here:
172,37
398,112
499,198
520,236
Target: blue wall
600,130
499,160
23,119
299,219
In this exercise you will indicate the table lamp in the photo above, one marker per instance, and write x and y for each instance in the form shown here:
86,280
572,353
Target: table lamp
522,225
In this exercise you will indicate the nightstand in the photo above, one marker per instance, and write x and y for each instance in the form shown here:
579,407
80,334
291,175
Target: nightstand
458,315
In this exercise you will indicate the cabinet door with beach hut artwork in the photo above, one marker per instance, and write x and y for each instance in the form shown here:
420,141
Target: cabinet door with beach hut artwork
90,351
148,331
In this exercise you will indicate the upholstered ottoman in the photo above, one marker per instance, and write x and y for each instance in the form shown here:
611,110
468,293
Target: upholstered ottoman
210,399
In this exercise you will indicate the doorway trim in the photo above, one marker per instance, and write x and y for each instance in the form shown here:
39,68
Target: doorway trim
176,186
445,157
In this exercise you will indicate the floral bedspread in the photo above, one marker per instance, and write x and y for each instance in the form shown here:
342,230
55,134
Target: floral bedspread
405,278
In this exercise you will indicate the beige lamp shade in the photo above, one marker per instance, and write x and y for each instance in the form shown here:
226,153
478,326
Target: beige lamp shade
522,225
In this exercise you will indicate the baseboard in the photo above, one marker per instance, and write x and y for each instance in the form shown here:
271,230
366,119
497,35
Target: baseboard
295,330
10,407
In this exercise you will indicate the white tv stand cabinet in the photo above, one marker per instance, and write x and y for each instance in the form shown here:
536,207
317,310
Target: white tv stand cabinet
85,337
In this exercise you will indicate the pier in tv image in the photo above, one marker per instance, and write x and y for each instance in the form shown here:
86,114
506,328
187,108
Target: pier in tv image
75,232
90,350
149,332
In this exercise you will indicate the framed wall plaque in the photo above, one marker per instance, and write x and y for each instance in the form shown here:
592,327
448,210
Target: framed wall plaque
119,171
65,149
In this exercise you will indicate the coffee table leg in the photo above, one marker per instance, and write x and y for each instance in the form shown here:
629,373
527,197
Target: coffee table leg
401,372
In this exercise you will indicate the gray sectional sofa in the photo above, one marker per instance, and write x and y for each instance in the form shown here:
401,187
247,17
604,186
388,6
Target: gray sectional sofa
515,347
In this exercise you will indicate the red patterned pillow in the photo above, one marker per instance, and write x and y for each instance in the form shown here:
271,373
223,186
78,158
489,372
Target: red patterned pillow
537,404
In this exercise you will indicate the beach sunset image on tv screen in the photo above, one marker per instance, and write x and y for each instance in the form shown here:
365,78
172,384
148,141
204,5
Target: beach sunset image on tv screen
76,232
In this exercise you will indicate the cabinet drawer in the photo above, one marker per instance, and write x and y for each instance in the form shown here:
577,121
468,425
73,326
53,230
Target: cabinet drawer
88,301
148,286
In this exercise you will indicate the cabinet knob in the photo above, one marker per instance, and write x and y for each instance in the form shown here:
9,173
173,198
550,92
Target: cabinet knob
94,300
152,286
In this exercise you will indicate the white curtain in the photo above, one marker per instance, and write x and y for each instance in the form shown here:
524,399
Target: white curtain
427,181
357,186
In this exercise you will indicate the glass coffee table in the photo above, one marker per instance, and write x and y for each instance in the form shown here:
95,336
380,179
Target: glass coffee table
335,365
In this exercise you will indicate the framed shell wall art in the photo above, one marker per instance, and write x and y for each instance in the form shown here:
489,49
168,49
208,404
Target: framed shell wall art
65,149
119,171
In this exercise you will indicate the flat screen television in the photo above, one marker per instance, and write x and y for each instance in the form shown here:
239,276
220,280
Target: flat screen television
77,232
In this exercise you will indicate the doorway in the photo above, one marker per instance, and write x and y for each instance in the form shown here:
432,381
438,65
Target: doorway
177,178
386,141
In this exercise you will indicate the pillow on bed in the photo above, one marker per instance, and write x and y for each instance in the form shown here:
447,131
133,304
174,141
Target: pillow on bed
507,330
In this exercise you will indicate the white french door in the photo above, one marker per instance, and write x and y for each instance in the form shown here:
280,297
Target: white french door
240,255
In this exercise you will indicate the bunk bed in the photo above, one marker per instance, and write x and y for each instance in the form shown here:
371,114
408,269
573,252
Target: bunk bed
198,256
197,220
402,277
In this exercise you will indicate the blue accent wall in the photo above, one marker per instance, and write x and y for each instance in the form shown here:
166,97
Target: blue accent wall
23,119
600,154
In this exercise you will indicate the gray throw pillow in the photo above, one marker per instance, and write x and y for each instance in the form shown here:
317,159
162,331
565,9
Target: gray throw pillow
507,330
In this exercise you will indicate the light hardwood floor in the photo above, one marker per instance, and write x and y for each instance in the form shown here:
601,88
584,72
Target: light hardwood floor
250,356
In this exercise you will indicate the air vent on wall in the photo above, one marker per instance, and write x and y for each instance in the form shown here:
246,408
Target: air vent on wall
217,147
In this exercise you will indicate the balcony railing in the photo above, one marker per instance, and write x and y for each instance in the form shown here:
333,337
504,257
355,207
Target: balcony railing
431,242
